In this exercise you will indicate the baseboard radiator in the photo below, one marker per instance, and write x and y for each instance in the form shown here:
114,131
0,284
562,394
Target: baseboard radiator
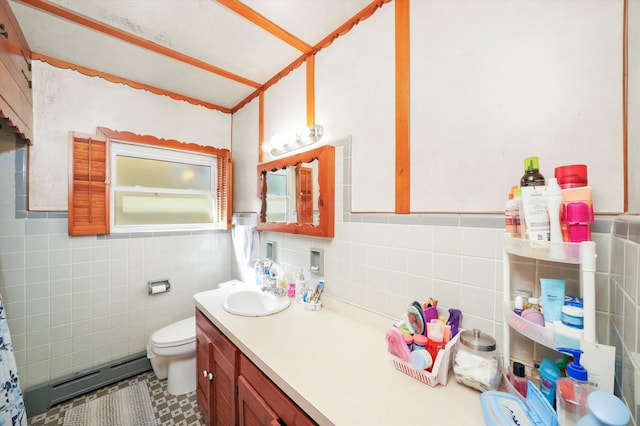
39,400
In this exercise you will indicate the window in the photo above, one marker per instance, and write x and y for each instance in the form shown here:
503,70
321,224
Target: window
122,182
155,189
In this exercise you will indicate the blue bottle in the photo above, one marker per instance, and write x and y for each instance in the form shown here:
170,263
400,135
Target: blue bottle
549,374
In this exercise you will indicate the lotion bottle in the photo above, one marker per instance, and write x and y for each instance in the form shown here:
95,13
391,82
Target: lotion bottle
554,201
518,216
509,214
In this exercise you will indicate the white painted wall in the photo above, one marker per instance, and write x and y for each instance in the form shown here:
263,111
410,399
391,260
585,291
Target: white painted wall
633,112
355,96
65,100
245,158
491,84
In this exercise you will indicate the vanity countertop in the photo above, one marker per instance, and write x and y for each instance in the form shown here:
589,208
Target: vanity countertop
335,365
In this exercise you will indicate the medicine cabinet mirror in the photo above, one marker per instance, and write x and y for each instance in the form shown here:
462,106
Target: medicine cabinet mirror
297,193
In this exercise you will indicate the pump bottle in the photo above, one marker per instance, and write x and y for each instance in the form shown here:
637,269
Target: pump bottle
572,391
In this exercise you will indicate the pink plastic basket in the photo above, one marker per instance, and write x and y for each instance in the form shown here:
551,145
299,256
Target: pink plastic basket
440,372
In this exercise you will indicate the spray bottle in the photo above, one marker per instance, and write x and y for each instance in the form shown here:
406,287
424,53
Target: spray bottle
572,391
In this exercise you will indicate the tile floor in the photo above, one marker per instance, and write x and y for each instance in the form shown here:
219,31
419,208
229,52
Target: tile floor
171,410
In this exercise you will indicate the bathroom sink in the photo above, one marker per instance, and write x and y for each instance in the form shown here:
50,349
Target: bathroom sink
251,303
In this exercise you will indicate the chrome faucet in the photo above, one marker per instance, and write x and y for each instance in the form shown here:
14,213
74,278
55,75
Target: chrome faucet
275,290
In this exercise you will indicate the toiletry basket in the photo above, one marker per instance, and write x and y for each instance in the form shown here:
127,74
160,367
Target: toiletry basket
440,372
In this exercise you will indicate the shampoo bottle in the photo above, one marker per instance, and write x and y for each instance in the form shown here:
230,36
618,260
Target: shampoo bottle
572,391
532,175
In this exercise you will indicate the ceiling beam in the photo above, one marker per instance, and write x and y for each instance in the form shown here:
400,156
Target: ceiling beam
259,20
69,15
343,29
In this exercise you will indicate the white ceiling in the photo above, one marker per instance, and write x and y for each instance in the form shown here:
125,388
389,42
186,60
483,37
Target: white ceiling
185,47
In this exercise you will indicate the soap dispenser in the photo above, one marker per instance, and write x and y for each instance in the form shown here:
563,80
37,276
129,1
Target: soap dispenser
301,286
572,391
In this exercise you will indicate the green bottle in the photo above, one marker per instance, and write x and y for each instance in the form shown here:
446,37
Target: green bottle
532,175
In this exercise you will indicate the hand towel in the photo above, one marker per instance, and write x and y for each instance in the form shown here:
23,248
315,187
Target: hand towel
245,244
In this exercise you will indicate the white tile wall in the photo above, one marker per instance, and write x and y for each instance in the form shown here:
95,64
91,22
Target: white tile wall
75,303
625,309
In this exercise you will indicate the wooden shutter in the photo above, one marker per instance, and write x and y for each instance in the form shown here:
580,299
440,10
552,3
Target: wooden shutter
88,184
225,189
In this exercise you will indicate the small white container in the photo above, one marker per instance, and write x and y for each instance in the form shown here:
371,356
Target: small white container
310,306
573,316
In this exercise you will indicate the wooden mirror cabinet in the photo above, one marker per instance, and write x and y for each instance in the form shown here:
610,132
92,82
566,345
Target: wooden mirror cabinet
298,193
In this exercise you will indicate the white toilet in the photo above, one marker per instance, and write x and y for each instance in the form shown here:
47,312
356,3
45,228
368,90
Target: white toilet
172,352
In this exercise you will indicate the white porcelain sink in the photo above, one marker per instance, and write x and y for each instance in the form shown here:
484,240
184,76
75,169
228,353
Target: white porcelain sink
251,303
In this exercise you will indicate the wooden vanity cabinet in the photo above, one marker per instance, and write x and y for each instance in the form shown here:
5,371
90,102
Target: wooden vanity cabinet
217,367
232,390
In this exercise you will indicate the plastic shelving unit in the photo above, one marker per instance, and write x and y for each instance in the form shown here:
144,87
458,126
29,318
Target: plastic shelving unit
599,359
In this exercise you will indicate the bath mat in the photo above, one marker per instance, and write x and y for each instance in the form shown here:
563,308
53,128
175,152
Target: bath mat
129,406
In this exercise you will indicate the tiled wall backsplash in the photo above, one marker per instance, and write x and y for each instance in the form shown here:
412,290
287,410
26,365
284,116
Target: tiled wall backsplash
75,303
625,308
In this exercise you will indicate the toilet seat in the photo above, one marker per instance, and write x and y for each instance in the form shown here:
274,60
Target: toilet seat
179,333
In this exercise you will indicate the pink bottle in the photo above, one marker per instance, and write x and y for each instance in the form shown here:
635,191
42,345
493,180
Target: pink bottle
578,215
518,379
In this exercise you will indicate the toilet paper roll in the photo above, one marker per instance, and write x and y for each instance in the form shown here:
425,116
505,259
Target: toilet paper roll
159,287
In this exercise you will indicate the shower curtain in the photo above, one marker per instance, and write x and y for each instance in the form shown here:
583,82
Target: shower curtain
12,411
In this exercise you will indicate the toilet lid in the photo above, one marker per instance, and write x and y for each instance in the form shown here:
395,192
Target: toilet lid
178,333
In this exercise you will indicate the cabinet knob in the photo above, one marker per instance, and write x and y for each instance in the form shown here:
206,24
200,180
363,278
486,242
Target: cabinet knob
207,375
3,33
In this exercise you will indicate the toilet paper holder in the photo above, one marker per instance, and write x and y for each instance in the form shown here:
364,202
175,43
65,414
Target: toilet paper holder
159,286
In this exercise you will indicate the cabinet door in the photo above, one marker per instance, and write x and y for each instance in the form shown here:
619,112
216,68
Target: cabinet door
287,410
205,375
222,402
252,409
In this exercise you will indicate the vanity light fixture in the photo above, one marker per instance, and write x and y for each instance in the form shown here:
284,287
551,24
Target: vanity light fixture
306,136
